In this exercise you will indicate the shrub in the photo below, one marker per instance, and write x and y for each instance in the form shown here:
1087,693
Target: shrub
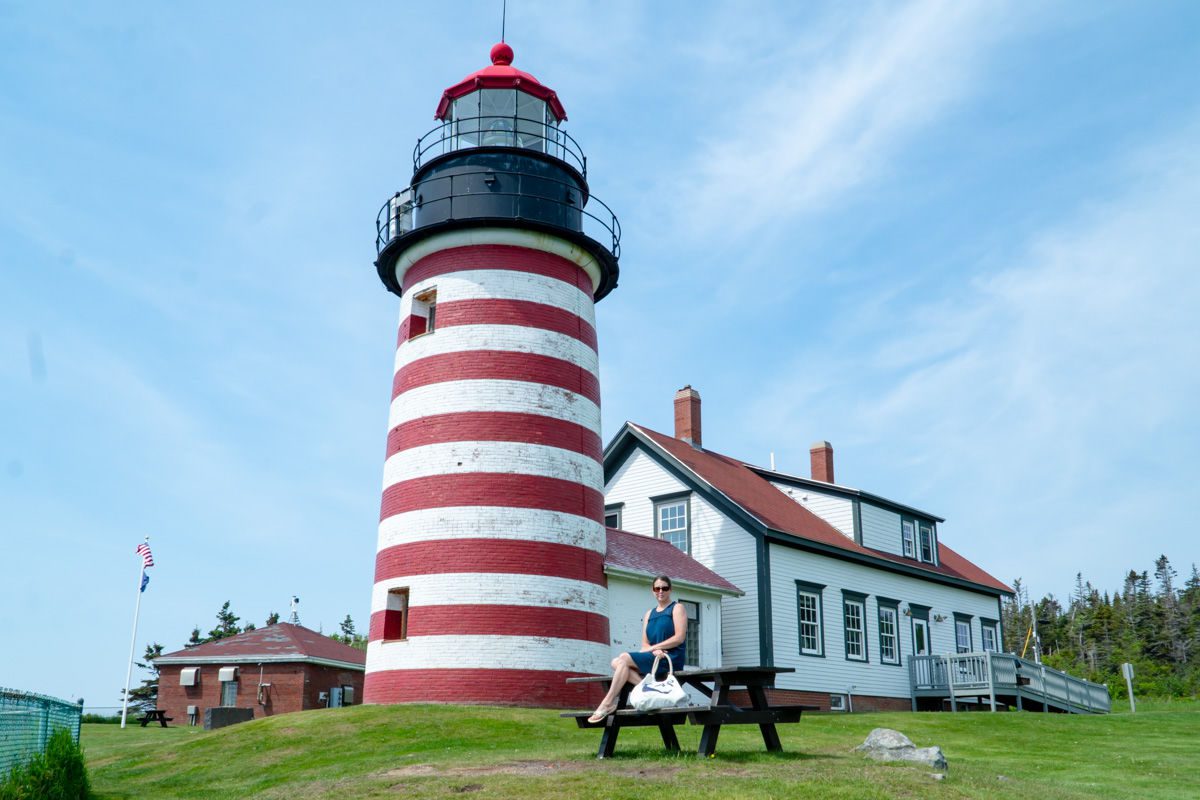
101,719
57,774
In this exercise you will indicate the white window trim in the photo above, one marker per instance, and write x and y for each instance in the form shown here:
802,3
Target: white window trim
894,612
814,591
670,501
861,630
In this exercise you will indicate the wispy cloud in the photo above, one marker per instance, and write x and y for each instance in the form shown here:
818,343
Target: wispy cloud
838,106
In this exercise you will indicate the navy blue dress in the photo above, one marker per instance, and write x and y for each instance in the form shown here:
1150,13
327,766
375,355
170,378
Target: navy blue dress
659,628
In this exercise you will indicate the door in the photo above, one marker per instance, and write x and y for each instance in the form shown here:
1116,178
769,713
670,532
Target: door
335,697
920,637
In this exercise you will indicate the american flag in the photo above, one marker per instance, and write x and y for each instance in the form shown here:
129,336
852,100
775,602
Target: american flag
143,550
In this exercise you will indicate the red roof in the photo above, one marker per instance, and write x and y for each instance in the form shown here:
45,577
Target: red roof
275,642
501,75
650,557
758,497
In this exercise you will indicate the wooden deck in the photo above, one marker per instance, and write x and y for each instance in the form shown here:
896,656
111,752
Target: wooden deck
994,679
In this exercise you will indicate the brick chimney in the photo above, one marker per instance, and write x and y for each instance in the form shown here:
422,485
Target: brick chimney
821,454
687,415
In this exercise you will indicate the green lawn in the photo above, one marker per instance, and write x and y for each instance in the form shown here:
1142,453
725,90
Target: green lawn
449,751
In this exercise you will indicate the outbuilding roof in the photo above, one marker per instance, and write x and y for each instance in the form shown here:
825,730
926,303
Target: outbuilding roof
634,554
282,641
754,495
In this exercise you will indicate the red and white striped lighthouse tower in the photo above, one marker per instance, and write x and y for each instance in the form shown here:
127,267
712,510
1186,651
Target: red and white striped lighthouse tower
489,581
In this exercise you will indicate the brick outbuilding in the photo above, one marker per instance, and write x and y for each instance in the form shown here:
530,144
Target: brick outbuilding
272,670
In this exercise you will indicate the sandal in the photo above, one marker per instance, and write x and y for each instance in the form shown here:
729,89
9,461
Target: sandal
601,713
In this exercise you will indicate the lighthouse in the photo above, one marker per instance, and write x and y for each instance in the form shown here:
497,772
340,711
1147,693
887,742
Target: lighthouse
489,571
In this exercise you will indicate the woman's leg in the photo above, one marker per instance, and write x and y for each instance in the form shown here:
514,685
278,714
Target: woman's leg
624,672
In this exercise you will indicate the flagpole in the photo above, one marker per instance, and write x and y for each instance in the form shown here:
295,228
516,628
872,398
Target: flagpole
137,607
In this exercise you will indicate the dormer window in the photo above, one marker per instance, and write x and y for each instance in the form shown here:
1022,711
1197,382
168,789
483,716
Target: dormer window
918,540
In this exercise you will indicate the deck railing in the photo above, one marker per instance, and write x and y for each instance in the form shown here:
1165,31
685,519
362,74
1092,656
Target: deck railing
991,674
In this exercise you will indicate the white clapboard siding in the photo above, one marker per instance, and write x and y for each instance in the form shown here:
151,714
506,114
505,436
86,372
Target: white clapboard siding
834,673
729,550
637,480
881,529
837,511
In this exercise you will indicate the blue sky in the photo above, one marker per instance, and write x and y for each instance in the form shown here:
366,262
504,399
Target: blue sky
958,240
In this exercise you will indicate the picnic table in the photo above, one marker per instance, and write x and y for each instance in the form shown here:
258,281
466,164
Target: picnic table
716,684
155,714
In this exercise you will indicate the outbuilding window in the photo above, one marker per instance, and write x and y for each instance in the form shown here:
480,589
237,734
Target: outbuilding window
691,648
229,685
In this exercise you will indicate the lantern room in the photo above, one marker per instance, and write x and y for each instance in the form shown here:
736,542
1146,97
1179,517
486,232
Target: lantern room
501,106
499,157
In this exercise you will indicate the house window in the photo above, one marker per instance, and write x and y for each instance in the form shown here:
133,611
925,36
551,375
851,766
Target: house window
908,535
854,620
395,616
889,631
691,648
612,516
809,619
927,542
962,633
988,638
671,521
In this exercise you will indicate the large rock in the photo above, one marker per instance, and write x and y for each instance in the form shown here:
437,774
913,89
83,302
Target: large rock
885,744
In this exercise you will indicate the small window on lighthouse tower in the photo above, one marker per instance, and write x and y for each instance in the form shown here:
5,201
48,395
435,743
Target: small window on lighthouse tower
395,616
424,313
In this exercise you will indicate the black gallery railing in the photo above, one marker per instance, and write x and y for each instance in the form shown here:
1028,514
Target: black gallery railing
494,193
493,131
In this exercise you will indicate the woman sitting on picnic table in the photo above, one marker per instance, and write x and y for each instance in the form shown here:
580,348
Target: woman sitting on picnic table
664,630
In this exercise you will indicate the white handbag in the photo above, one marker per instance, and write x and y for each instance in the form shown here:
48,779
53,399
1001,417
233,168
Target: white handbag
653,694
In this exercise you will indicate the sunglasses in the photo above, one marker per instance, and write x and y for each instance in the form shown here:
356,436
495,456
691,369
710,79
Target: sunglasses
661,589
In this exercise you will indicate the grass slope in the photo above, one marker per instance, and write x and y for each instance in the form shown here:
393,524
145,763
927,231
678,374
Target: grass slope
448,751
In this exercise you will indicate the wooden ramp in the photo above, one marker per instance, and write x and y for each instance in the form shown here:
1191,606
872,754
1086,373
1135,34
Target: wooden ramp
995,680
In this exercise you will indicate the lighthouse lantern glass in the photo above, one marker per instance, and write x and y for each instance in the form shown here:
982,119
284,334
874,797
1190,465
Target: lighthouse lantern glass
502,118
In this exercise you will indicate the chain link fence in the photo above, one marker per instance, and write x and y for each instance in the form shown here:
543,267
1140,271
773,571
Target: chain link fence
26,722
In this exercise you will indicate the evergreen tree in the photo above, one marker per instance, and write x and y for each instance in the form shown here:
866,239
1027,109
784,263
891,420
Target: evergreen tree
349,635
145,697
273,618
227,625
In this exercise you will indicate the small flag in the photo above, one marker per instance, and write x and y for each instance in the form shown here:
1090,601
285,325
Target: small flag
143,550
145,581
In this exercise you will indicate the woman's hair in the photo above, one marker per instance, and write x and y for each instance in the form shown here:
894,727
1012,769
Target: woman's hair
664,578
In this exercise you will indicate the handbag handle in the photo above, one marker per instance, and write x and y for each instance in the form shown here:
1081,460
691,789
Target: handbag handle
670,667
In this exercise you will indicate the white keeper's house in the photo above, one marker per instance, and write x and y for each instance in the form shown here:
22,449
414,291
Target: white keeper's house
840,584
